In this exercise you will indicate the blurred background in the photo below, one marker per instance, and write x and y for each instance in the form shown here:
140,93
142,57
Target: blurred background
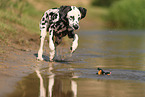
21,17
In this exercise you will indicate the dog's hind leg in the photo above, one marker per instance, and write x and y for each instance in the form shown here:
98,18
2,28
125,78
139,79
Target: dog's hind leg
75,43
42,37
51,46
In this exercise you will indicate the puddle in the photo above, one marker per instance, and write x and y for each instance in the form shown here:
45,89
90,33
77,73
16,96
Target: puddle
66,81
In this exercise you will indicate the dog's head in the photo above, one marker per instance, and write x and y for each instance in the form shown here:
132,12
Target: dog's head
72,14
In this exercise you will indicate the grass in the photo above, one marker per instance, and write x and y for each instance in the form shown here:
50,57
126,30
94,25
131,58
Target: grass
13,24
127,14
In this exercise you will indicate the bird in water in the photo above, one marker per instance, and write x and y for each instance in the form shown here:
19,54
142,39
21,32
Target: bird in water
102,72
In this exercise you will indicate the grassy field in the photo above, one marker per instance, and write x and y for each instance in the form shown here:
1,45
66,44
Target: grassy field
127,14
19,24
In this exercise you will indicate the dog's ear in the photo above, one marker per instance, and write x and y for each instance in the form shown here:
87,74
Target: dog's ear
83,12
63,11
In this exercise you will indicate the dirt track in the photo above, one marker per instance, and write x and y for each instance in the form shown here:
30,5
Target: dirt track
14,64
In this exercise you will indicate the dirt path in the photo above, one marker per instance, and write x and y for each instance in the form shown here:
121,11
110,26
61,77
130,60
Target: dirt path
15,64
18,61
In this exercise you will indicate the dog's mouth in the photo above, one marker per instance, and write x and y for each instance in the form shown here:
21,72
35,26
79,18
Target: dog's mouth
76,27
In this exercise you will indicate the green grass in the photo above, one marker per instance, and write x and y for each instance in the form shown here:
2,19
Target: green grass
127,14
15,21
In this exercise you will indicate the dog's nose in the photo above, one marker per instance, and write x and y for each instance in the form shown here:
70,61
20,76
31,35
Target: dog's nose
76,26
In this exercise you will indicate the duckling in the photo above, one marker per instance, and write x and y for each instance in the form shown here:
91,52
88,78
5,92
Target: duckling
102,72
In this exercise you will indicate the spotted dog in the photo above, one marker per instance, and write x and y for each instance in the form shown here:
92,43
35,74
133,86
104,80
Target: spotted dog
60,22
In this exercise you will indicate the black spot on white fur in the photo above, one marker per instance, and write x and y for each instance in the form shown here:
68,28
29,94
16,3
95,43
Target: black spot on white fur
56,19
60,22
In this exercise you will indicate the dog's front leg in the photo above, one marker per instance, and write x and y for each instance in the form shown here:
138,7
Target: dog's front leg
75,43
51,46
42,37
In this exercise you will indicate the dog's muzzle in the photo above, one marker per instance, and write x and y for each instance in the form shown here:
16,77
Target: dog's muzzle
76,26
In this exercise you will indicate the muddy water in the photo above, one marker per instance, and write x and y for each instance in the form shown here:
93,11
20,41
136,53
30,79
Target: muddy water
121,52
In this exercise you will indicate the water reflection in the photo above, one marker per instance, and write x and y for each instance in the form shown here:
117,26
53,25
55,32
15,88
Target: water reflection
60,81
56,88
43,82
42,89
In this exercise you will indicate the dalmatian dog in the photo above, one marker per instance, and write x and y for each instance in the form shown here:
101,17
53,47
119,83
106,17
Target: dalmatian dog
60,22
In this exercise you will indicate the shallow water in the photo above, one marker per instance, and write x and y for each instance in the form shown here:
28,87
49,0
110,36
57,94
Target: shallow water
121,52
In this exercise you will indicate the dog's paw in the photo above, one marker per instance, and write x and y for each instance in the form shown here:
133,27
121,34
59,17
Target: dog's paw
51,60
72,50
40,59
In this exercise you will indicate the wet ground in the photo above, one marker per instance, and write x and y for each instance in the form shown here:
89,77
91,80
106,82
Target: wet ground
120,52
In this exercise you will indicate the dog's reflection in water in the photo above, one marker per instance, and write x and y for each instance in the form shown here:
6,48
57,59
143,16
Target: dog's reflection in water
53,86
